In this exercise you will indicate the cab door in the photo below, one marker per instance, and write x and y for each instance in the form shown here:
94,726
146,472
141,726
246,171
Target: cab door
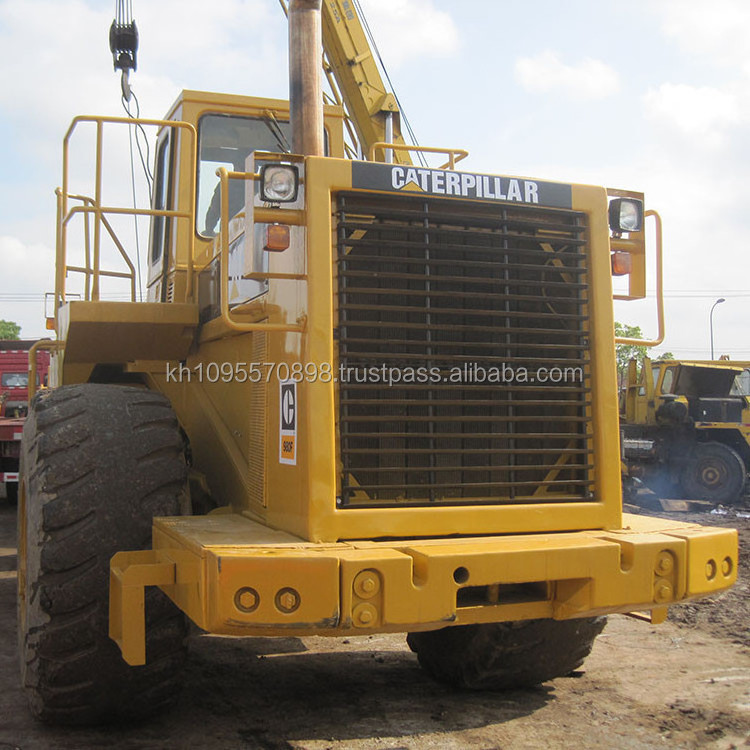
161,251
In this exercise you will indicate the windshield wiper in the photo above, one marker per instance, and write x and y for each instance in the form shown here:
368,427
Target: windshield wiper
273,126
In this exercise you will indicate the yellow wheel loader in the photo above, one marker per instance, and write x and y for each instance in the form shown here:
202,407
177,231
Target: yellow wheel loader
364,396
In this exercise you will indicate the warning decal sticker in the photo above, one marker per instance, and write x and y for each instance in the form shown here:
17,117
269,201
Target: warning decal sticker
288,422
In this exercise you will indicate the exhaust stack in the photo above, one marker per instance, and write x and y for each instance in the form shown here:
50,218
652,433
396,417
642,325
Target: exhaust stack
305,84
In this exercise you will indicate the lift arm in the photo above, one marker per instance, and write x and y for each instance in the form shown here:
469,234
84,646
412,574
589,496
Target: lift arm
352,71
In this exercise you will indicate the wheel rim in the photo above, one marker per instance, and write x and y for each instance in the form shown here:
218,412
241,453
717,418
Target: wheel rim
713,474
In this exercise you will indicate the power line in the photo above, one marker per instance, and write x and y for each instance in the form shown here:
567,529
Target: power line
688,295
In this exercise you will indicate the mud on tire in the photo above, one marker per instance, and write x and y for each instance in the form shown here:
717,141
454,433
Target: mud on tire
98,462
499,656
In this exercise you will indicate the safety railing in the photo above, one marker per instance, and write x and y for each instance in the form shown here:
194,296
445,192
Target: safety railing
454,154
92,207
48,345
261,214
622,244
87,269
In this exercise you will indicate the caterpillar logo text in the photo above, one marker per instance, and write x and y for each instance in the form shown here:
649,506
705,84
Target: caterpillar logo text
465,184
404,179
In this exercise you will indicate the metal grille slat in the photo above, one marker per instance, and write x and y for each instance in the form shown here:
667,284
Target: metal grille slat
385,418
465,403
445,286
532,483
463,279
477,344
507,236
453,312
472,451
402,356
461,295
478,217
477,467
472,264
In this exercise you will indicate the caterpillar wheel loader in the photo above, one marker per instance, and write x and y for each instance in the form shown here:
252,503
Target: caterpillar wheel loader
685,428
394,383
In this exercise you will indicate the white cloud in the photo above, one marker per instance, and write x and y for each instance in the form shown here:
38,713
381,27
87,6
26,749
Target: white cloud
695,156
701,113
48,76
719,29
588,79
408,29
20,264
27,272
713,35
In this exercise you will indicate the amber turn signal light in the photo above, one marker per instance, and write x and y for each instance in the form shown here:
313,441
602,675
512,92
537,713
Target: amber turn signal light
622,263
277,238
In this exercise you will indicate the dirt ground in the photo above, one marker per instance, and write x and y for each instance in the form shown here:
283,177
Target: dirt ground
683,684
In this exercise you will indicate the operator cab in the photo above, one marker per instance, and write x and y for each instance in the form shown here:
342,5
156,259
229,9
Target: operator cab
229,129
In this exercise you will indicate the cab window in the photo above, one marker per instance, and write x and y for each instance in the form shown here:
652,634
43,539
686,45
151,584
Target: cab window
159,226
16,379
655,371
668,381
741,385
227,141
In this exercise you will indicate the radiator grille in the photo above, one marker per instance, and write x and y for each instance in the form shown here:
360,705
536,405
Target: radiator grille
457,288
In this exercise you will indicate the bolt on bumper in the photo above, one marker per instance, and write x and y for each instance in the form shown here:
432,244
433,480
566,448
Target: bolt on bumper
233,576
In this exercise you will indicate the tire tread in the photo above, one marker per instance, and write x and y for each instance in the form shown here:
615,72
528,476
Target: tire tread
505,655
98,462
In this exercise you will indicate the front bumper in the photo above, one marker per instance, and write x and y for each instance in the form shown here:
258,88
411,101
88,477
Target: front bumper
233,576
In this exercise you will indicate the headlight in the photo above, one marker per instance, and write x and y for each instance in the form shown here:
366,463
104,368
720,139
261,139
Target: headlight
279,183
626,215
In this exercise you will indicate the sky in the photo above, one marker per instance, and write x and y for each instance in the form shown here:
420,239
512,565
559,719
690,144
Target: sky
649,95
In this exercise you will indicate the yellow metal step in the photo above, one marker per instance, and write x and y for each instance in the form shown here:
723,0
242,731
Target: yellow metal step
117,332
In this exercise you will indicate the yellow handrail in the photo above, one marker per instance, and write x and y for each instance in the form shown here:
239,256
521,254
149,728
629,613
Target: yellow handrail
41,344
659,293
93,205
268,214
87,201
88,270
454,154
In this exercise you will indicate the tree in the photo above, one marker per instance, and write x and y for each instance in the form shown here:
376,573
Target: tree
625,352
9,330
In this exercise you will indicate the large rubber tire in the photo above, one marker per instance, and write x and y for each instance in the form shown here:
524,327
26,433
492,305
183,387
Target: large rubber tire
505,655
714,472
98,462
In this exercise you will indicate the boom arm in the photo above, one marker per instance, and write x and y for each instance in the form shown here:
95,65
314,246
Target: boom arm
354,77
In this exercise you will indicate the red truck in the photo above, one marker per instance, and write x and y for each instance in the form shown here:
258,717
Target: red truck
14,402
14,375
